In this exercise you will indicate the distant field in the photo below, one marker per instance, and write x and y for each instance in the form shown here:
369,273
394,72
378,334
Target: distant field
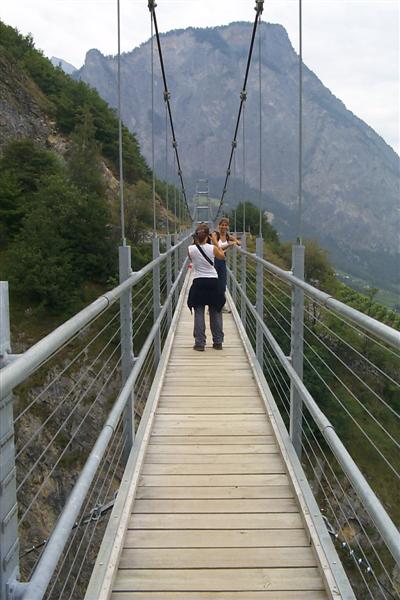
385,297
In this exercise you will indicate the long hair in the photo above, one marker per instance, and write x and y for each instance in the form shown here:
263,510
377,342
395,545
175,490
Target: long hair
202,232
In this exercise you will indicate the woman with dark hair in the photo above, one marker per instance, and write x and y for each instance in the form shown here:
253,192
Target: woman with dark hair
205,290
225,241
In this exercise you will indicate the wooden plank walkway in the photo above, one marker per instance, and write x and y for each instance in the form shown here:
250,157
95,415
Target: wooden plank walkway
214,515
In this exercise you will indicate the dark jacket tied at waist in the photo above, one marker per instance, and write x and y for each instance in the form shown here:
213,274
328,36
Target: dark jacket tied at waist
205,291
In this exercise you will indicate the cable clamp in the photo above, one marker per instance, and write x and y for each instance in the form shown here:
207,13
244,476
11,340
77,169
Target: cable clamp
151,4
259,7
167,95
180,173
243,95
228,172
174,144
234,143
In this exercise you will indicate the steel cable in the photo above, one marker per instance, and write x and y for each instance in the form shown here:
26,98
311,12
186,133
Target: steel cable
67,445
57,377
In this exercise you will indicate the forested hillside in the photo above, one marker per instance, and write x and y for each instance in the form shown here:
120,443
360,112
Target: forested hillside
59,211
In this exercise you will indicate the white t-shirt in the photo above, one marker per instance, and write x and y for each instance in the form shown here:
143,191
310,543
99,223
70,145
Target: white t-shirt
222,244
201,266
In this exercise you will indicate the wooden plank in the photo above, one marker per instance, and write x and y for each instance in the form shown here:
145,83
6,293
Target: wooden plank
216,449
265,595
211,439
215,429
213,558
217,459
266,491
226,506
218,579
220,401
209,410
239,389
214,480
226,419
218,521
216,538
273,465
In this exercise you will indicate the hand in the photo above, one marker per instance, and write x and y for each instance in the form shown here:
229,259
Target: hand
214,238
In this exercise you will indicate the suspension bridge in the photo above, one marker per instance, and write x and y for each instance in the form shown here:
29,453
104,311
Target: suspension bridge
219,475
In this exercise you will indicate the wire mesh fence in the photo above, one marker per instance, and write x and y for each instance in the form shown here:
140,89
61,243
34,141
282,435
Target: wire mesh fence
354,378
60,412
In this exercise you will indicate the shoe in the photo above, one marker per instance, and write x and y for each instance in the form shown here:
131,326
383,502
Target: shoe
198,348
217,346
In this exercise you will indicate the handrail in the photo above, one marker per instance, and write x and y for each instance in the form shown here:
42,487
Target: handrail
22,367
383,522
36,587
380,330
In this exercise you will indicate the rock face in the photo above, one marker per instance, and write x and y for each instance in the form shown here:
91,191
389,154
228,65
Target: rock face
351,176
22,106
63,64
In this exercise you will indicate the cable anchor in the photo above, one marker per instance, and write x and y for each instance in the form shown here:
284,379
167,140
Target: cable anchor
151,5
259,7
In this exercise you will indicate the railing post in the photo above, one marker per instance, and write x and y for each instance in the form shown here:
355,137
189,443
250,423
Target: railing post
176,266
127,356
234,273
296,353
9,544
169,278
156,299
260,301
243,280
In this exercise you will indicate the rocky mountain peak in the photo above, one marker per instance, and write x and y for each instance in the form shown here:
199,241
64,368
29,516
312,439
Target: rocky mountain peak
351,176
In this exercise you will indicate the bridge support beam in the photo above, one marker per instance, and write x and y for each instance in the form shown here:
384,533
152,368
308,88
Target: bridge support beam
156,300
176,267
9,544
233,289
243,281
127,356
260,302
297,343
169,278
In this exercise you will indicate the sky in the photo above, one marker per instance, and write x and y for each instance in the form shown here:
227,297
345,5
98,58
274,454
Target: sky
351,45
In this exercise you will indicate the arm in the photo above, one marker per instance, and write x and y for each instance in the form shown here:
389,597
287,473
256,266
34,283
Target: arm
218,252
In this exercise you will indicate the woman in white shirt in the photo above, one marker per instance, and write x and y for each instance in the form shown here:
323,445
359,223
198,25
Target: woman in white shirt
225,241
205,290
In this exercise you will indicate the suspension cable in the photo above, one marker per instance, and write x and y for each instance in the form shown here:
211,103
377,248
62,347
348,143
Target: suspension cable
244,171
121,174
174,196
167,97
243,94
166,167
260,123
152,131
300,193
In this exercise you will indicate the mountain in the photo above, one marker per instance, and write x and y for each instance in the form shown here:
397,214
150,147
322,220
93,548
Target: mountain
63,64
351,176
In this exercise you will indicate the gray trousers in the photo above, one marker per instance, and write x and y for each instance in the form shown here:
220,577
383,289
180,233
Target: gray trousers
199,331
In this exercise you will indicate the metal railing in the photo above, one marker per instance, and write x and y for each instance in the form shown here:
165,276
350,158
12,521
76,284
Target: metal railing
333,371
75,400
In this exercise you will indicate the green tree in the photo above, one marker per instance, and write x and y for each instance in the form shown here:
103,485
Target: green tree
22,168
83,157
252,221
